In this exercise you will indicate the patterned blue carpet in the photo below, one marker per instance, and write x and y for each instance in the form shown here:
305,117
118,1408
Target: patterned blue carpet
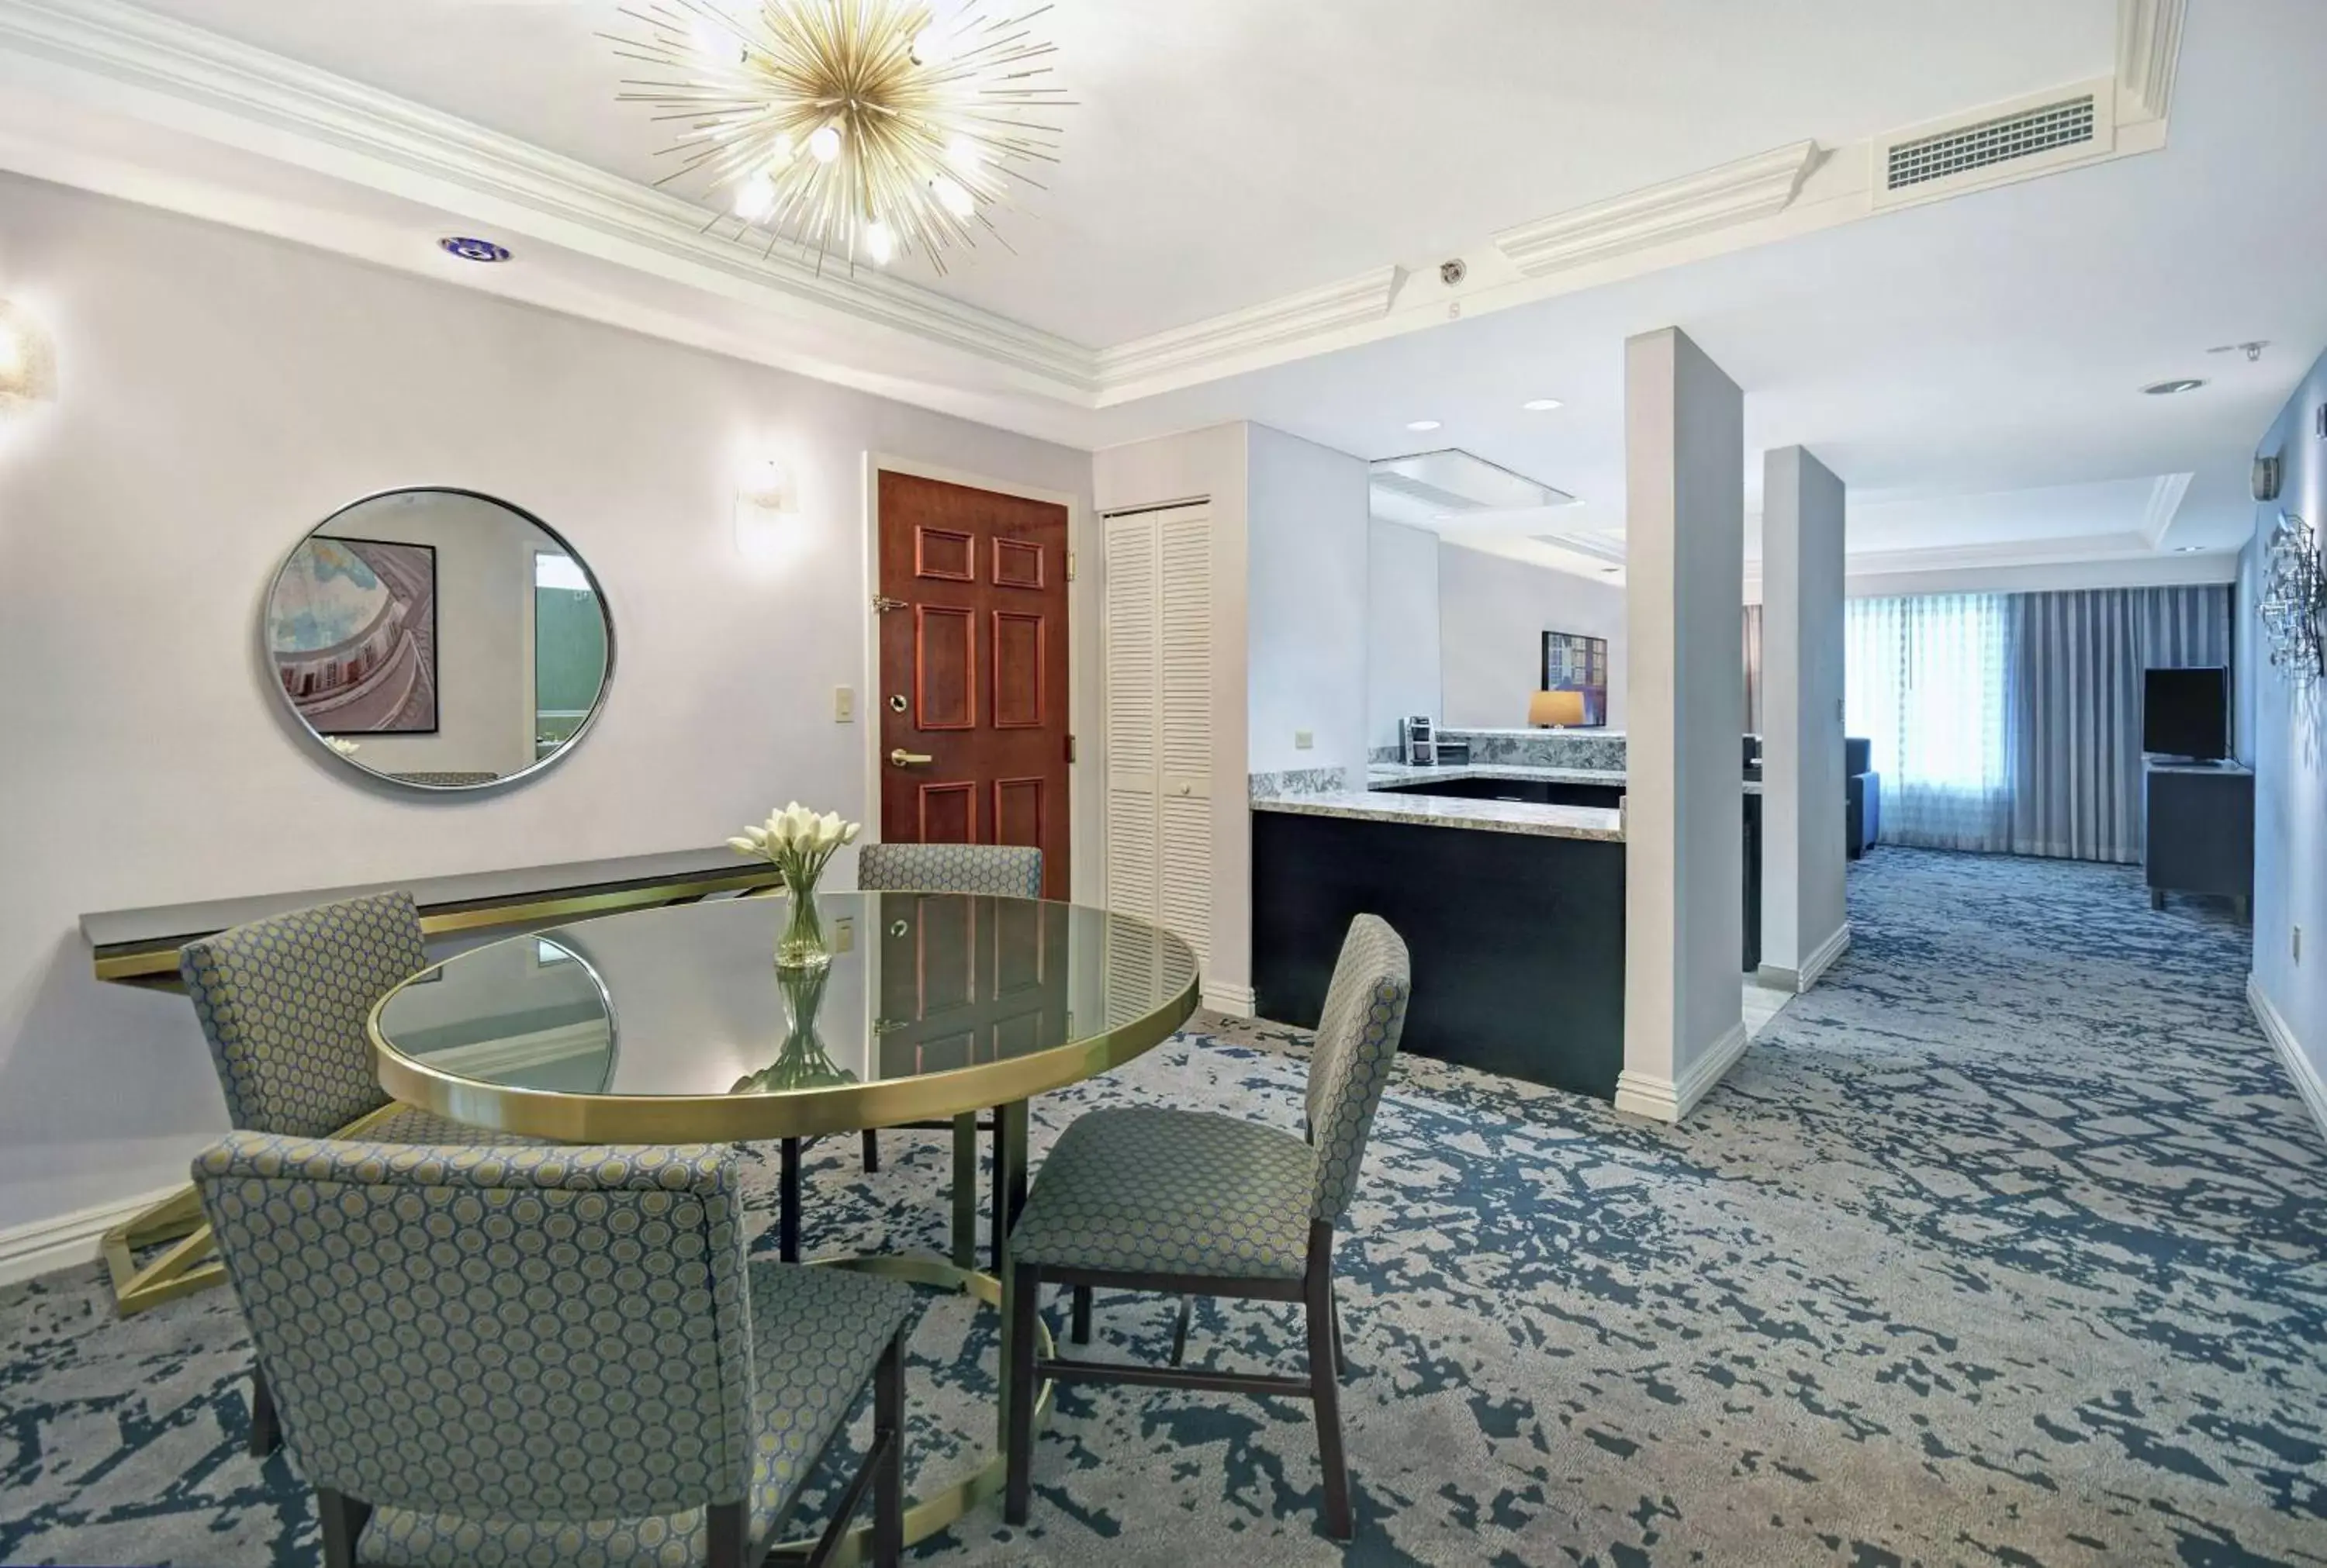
2006,1245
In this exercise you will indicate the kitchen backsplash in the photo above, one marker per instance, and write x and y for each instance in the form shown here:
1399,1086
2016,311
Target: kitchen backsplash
1299,781
1544,748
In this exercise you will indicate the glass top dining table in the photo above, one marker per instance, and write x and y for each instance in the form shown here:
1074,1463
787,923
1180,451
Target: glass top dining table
675,1025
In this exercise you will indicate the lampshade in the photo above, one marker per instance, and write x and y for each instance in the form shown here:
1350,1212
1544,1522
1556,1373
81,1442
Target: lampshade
1548,710
28,365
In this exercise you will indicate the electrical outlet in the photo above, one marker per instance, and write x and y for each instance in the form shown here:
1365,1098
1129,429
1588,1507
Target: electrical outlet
1303,740
844,934
844,704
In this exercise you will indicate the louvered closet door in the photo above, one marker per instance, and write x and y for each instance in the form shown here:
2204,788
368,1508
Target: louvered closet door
1159,676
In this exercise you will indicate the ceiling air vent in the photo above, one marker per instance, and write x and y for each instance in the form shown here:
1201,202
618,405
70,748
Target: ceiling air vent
2067,123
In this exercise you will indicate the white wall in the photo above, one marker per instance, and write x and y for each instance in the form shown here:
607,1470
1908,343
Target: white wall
1206,464
1802,794
1684,855
220,394
1401,635
1305,615
1493,613
2289,749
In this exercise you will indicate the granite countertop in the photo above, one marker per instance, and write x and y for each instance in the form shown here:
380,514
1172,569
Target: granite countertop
1381,774
1443,811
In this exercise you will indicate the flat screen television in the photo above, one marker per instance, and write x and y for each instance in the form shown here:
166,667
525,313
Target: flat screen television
2186,713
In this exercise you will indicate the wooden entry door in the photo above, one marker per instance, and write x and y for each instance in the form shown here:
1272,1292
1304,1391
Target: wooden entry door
973,737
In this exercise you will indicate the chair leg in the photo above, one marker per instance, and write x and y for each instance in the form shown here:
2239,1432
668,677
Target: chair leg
787,1202
729,1527
1325,1388
1018,1445
889,1427
265,1429
1341,1357
1180,1329
1081,1329
872,1153
342,1522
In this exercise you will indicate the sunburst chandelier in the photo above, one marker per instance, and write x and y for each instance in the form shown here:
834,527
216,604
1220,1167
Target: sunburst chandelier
857,129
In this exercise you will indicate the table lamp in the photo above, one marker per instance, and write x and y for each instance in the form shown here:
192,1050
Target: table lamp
1555,710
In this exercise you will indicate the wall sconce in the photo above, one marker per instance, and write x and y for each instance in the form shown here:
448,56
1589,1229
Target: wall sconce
767,502
28,360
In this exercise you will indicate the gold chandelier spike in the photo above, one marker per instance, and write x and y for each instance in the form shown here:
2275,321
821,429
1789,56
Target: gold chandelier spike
863,129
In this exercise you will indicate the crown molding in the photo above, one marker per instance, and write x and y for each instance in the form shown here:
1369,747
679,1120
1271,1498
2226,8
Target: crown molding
1209,343
297,114
1759,187
2148,48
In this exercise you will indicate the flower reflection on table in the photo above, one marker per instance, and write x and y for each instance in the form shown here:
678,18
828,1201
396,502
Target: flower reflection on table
802,1062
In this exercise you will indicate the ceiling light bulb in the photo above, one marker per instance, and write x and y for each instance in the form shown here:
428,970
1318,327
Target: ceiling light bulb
953,197
964,153
824,143
879,243
1540,404
755,198
1422,424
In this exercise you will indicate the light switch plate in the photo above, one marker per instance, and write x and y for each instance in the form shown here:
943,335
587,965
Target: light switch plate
844,704
844,934
1303,738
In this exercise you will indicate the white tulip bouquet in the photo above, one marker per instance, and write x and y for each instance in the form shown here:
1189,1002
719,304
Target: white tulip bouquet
798,843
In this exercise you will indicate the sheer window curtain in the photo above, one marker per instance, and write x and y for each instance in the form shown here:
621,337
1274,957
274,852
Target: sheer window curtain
1926,686
2077,662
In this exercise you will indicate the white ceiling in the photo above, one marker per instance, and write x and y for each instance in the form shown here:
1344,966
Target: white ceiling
1224,152
1969,367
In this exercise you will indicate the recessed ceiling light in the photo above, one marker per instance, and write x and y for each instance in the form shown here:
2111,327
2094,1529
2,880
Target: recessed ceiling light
2178,384
2187,549
1612,570
1540,404
469,248
1422,424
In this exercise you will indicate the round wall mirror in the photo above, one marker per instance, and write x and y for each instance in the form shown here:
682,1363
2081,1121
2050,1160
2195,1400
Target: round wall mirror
439,638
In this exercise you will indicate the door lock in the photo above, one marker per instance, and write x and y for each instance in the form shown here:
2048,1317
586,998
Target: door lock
901,758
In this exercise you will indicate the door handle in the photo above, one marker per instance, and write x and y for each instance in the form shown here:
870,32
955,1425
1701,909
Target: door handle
901,758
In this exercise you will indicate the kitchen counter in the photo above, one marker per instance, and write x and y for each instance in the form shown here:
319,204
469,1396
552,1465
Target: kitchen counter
1381,774
1444,811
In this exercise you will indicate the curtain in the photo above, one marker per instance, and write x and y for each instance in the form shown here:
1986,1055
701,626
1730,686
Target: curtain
1753,669
2077,662
1925,685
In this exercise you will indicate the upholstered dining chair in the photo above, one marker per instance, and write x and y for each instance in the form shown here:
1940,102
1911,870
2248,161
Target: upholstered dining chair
489,1357
283,1003
1196,1203
999,870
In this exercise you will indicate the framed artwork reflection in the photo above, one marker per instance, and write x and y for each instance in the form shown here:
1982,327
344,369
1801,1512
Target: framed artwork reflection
1573,662
353,626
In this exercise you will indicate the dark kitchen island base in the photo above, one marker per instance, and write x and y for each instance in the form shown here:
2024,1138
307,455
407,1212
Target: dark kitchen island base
1517,939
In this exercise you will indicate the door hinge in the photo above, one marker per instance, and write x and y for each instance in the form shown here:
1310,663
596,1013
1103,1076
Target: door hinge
1070,749
1070,566
882,604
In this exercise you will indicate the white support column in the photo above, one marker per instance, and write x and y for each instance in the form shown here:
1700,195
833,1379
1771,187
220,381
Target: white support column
1804,925
1684,856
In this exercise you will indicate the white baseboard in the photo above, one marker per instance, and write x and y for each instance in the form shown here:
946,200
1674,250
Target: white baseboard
44,1246
2307,1082
1813,969
1236,1001
1664,1100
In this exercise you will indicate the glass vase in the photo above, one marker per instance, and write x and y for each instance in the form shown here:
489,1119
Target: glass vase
801,945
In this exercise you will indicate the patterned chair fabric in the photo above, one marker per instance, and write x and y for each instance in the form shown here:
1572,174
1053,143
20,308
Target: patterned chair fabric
284,1001
1357,1042
540,1354
1001,870
1148,1191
